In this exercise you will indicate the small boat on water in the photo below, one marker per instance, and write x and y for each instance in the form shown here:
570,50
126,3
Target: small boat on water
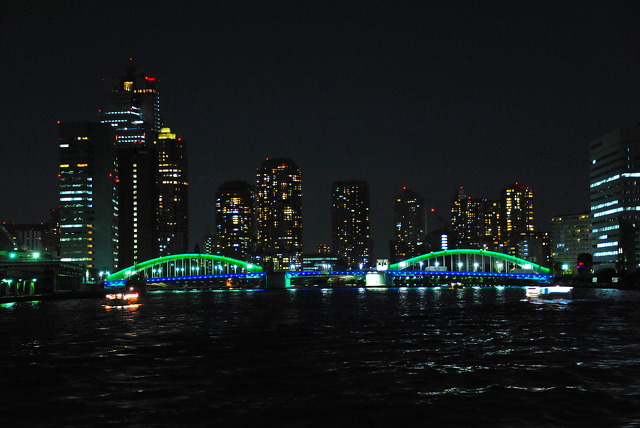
549,291
120,298
556,292
532,291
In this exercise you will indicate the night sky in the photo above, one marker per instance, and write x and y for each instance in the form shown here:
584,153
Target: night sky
428,95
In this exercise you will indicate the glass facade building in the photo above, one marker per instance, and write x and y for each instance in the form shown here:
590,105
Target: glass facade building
88,195
615,199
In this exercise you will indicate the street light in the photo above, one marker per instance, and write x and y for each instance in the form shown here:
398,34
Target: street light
460,264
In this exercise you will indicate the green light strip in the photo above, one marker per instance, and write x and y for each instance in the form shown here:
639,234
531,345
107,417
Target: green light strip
122,274
501,256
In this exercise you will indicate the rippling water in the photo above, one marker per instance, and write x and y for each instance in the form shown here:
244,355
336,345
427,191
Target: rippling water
396,357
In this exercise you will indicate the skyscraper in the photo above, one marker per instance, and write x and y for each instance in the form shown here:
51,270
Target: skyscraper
234,220
278,203
615,200
351,235
173,195
410,221
132,107
517,214
88,198
137,205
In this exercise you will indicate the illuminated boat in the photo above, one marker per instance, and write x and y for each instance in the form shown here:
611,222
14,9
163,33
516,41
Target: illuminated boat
556,292
121,298
549,292
532,291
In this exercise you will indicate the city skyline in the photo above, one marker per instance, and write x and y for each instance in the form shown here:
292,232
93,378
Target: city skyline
430,97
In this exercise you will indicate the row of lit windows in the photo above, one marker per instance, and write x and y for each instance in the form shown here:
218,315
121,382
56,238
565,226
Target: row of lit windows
604,229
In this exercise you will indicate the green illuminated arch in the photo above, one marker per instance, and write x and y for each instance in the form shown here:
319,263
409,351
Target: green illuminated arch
127,272
520,262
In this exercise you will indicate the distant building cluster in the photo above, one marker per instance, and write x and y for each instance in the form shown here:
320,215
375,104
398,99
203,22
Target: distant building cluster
123,199
505,225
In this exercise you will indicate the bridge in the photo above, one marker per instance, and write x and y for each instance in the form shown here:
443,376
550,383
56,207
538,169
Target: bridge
187,267
465,266
468,266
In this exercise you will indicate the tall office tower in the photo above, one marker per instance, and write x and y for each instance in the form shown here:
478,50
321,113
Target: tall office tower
517,214
410,220
475,223
137,204
234,220
88,198
278,204
351,235
615,196
132,107
173,195
570,236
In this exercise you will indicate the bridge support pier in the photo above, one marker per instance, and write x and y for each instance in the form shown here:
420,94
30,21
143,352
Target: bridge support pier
277,280
376,279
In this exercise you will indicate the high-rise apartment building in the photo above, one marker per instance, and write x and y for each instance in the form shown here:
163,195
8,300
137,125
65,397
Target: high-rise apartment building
570,236
517,205
517,215
410,221
234,220
173,194
615,200
88,195
278,205
475,223
351,235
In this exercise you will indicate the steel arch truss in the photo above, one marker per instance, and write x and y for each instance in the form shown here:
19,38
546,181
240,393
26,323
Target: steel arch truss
185,266
468,260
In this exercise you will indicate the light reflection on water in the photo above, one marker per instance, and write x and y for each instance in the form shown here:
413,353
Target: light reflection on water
374,356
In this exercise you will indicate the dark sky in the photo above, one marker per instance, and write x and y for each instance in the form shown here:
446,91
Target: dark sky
428,95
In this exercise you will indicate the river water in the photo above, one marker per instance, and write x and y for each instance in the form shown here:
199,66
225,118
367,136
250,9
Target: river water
307,358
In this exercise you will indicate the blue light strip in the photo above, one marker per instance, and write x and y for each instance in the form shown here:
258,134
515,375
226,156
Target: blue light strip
459,273
425,273
184,278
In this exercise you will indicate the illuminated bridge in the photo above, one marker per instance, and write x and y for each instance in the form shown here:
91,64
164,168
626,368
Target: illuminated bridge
187,267
467,266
